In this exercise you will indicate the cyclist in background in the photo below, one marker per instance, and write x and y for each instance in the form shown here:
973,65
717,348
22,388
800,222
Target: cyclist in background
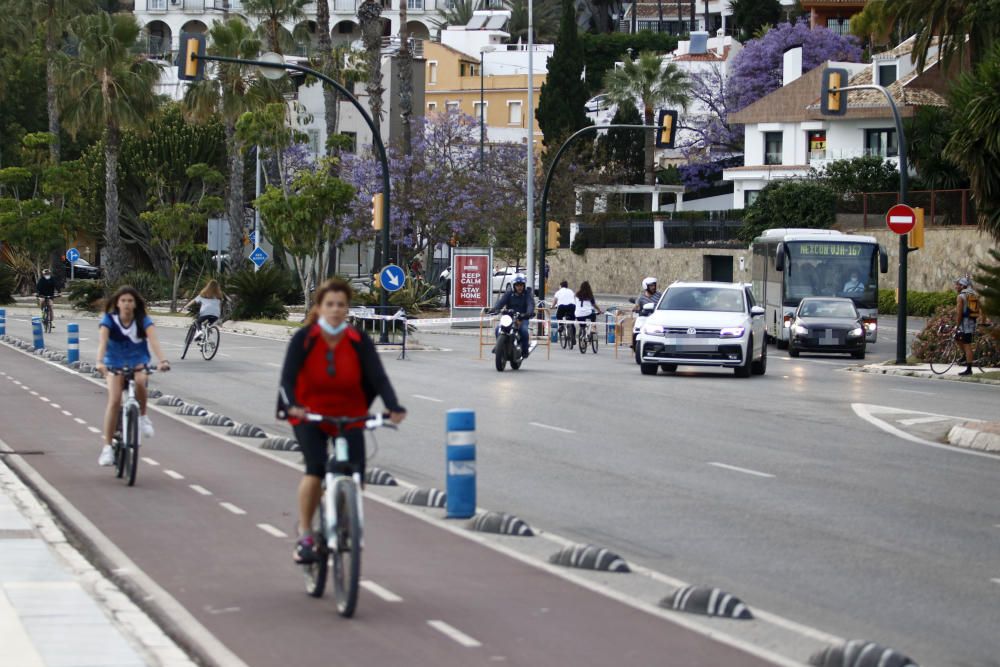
45,290
331,368
966,316
125,335
564,301
209,310
586,308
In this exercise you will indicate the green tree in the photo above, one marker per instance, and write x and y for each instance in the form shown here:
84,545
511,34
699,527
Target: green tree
545,20
927,134
989,281
175,222
651,84
273,15
956,27
869,173
305,219
874,26
109,86
561,103
370,17
234,91
622,150
459,13
601,52
790,203
975,142
750,15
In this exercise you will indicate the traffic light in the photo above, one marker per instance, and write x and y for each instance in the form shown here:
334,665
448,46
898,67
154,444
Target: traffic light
552,235
667,131
190,67
916,238
832,102
377,220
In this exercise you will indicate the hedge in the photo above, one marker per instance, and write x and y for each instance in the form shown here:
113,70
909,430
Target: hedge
918,304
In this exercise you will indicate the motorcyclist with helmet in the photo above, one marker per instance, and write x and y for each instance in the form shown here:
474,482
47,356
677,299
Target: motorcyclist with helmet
521,300
649,294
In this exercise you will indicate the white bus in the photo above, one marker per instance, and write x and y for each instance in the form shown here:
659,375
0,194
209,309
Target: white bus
790,264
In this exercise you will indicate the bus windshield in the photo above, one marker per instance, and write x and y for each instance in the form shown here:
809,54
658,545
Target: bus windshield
831,268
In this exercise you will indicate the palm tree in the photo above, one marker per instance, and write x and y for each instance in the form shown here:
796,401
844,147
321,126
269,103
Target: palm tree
234,91
545,18
460,13
370,17
950,21
110,87
651,84
273,14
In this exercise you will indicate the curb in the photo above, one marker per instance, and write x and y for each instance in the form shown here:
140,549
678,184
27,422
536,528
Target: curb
918,373
971,436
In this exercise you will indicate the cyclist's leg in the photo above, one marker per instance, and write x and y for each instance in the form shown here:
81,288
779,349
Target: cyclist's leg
525,328
313,444
141,392
114,406
356,451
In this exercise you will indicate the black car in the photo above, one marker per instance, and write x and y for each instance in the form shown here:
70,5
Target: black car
827,325
82,269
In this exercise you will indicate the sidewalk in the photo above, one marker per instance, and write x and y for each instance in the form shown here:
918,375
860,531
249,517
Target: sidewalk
56,609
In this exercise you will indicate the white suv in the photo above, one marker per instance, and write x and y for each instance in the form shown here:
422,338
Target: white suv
704,324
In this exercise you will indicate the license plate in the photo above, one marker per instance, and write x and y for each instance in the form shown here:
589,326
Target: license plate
670,341
828,339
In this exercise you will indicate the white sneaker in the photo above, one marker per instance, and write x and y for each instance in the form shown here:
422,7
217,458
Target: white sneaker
147,426
107,457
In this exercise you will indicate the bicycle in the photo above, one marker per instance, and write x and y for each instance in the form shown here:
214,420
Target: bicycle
47,313
567,335
125,443
983,353
586,336
208,341
340,519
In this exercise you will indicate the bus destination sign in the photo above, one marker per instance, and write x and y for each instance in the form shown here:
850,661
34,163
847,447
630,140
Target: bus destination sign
830,249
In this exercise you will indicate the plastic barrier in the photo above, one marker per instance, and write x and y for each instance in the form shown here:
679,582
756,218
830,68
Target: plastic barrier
460,461
36,330
3,322
72,342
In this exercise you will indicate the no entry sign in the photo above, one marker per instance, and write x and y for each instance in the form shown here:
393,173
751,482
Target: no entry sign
901,219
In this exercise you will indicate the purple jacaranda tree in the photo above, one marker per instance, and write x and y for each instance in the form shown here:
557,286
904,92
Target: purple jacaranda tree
757,69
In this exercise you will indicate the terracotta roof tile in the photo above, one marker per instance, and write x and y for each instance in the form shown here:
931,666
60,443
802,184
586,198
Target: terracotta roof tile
712,56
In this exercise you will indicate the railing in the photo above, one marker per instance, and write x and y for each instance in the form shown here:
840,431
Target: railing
676,233
941,207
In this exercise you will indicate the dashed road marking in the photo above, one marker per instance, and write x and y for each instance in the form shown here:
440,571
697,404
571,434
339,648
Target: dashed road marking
748,471
914,391
428,398
271,530
93,429
55,405
380,591
80,421
173,474
995,581
454,634
150,461
233,508
200,489
33,392
551,428
67,413
42,398
15,381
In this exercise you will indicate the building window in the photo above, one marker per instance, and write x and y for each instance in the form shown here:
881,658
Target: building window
749,197
451,106
479,110
432,71
839,26
157,5
772,147
415,4
313,142
514,112
886,74
817,144
881,142
432,106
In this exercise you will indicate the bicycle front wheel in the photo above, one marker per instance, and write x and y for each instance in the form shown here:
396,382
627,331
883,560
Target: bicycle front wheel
593,342
316,571
582,342
949,356
210,342
347,555
131,453
563,337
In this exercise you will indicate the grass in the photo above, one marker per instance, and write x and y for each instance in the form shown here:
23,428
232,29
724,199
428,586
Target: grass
988,375
285,323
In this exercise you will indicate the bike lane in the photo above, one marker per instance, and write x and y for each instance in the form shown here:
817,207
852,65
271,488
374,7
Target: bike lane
207,522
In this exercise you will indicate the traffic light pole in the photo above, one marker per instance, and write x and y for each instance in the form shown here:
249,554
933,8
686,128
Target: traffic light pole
548,183
904,240
376,139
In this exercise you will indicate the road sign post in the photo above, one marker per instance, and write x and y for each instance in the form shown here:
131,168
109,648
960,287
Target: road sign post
71,256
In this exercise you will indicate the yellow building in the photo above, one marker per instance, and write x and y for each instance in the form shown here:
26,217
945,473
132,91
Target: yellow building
452,82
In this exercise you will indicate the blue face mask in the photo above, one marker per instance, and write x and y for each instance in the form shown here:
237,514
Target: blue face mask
330,329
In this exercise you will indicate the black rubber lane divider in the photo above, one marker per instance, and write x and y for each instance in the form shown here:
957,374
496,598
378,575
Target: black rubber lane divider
707,601
379,477
860,653
170,401
590,557
154,393
424,497
192,410
501,523
247,431
216,420
281,444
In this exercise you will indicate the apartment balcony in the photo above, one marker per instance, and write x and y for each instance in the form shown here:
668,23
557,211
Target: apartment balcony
190,6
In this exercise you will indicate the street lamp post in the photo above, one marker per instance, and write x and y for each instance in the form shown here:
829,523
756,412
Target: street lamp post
529,248
482,102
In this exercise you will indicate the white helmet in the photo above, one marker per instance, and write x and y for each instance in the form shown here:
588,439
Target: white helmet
646,282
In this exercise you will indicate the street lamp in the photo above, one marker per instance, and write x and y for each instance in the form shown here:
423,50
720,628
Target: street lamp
482,103
529,245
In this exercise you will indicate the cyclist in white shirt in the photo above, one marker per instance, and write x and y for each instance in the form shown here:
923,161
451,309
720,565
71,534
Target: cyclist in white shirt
210,310
564,301
586,307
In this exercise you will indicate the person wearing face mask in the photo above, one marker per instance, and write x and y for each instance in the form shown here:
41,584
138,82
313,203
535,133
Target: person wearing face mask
330,368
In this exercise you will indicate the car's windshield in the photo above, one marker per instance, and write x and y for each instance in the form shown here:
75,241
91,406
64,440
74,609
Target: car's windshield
702,298
819,308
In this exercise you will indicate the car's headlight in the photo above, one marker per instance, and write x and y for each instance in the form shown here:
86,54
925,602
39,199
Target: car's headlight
653,330
855,332
801,330
731,332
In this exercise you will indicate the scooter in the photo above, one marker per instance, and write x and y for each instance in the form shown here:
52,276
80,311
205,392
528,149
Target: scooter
508,347
640,321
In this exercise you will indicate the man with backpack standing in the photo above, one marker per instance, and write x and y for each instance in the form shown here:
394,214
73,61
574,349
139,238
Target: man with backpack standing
966,316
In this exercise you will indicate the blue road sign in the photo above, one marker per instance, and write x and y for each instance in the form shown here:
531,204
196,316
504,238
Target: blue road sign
72,255
253,237
392,277
258,257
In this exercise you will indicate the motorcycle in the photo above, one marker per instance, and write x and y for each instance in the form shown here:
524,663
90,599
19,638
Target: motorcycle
508,346
640,321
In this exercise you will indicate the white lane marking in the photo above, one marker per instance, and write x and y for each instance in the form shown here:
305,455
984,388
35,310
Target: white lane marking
454,634
55,405
92,429
995,581
233,508
15,381
42,398
922,420
914,391
150,461
271,530
25,387
173,474
551,428
33,392
380,591
200,489
428,398
864,411
67,413
80,421
739,469
272,364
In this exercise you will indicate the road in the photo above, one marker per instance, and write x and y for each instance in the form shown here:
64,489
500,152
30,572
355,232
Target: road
773,488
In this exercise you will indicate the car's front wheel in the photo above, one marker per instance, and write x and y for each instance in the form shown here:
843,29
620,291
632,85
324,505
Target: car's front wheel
743,370
760,367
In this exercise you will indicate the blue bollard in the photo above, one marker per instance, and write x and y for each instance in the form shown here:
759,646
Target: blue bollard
72,342
3,322
609,320
460,455
36,329
553,328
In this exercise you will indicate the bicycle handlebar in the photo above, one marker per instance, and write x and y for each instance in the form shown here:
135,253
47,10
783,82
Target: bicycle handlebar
149,370
372,422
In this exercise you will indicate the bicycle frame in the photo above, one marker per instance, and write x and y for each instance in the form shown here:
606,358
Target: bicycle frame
331,480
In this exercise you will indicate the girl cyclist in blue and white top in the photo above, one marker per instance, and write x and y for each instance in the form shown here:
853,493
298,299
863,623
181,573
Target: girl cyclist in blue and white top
125,335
